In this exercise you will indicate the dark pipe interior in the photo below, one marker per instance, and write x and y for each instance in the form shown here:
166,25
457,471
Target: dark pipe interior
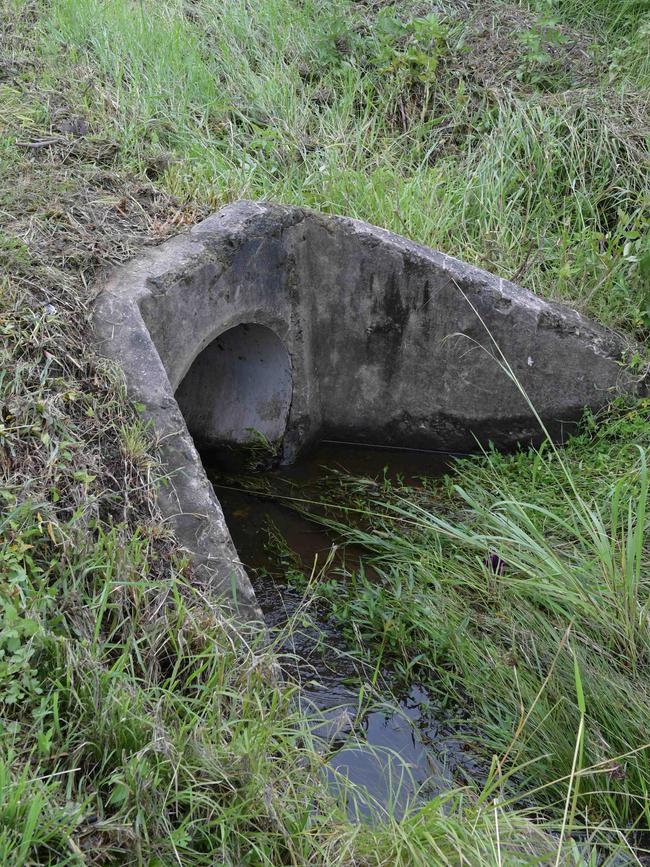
238,387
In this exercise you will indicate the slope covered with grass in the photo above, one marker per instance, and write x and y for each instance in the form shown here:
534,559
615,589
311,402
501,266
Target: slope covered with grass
506,137
138,726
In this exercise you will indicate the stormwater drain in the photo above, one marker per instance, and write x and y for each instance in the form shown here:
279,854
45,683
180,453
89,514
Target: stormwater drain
302,325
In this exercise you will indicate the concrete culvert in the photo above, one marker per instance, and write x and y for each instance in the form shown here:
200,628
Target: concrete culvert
304,326
238,388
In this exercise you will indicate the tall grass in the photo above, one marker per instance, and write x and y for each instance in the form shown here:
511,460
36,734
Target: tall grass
298,103
149,730
527,579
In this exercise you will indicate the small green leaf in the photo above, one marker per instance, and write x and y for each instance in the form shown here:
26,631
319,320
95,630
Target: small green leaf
30,627
119,794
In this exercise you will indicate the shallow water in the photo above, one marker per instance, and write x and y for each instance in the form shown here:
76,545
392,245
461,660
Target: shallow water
385,756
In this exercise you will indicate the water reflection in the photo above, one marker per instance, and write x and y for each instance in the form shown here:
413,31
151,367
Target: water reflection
383,756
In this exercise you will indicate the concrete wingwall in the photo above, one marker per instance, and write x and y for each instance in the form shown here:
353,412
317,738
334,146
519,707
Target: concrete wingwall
302,325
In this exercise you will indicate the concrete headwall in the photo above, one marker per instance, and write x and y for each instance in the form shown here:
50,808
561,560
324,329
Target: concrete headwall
301,325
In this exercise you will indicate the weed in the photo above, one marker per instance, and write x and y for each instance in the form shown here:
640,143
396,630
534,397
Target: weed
538,66
408,49
261,452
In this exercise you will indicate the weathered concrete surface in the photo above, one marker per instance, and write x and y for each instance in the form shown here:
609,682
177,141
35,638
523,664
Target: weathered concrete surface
355,334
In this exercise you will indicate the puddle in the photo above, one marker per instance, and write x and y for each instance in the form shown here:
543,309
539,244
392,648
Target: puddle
385,757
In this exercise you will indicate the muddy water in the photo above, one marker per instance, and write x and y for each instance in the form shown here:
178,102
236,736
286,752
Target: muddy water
387,754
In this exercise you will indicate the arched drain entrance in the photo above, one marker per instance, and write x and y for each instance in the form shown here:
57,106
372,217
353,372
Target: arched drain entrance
237,388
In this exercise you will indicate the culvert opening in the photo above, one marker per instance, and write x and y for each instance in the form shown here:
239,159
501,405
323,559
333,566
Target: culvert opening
236,394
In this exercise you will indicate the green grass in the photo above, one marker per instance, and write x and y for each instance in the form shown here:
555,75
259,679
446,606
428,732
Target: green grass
555,642
323,104
138,725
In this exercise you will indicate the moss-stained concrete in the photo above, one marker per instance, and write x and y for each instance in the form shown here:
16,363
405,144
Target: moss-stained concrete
387,341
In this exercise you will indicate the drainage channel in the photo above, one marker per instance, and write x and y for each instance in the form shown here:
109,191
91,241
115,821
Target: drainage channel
400,750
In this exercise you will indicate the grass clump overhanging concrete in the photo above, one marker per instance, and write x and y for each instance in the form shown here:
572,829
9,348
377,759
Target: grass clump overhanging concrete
139,725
